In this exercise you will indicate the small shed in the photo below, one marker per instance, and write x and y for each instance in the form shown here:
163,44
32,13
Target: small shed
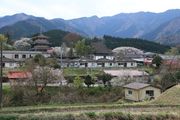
140,91
18,77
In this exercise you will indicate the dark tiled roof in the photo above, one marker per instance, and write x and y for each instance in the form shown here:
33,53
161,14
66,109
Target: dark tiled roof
136,85
4,59
39,41
104,59
100,48
40,36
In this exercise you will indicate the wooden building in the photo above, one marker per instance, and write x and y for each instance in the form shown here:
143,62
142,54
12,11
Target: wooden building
140,91
40,43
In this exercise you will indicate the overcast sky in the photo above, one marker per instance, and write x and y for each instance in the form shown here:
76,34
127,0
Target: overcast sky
68,9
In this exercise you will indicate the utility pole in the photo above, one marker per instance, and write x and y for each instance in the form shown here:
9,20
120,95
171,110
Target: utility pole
61,58
2,38
1,77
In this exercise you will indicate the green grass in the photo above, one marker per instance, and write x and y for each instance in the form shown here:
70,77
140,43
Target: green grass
81,71
6,88
169,97
89,111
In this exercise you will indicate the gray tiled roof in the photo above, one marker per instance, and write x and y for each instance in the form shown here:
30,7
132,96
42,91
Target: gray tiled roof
136,85
100,48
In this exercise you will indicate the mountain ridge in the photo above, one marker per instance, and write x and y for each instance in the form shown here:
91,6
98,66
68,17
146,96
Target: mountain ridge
135,25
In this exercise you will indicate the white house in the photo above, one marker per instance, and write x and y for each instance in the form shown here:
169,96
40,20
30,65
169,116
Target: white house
101,52
22,55
9,63
140,91
100,63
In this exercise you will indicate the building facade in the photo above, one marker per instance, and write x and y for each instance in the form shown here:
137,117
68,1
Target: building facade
140,91
100,63
23,55
40,43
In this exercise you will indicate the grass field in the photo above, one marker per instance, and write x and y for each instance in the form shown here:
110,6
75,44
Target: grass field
169,97
89,111
166,107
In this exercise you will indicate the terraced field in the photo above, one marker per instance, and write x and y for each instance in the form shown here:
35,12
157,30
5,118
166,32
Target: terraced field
165,107
88,111
169,97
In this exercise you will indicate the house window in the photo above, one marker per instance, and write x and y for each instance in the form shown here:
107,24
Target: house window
150,92
10,64
131,64
110,64
3,64
120,64
129,92
81,63
99,63
23,56
16,56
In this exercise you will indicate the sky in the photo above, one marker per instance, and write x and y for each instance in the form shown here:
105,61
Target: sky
69,9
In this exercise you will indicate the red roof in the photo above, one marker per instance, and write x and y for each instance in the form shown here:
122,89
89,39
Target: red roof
19,75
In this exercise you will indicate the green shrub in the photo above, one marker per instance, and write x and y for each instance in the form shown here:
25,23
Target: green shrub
91,114
8,117
17,96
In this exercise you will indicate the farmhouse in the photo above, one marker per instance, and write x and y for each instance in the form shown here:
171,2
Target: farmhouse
22,55
18,77
100,63
9,63
140,91
101,52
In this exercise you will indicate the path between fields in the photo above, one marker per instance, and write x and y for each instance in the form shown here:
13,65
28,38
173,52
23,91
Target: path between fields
140,110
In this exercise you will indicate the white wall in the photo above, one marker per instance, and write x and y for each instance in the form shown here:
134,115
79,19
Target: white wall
28,54
11,65
97,57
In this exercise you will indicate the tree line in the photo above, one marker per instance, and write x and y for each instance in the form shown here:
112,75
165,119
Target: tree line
148,46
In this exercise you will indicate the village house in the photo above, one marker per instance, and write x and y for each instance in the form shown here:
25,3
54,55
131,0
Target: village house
9,63
22,55
18,77
100,63
101,57
101,52
140,91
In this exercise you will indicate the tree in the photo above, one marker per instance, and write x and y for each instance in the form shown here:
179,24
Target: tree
105,79
64,49
88,81
9,41
40,60
78,82
52,62
168,80
173,51
81,48
177,75
157,60
23,44
41,76
70,53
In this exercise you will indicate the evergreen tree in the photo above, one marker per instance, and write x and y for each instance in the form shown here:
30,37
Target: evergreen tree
157,60
81,48
88,81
